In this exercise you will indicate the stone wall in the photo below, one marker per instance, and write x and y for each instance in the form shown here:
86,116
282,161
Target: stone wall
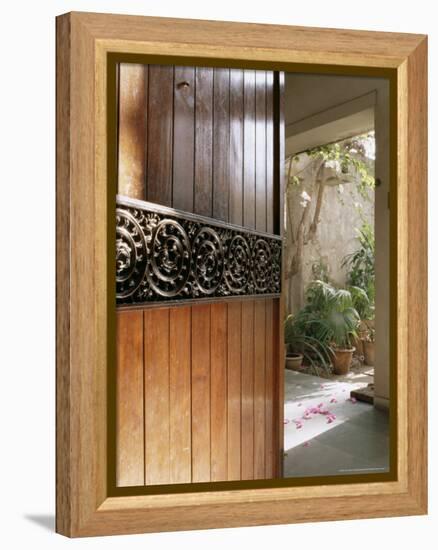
343,210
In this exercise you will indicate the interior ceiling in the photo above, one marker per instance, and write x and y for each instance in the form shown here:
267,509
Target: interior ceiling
325,108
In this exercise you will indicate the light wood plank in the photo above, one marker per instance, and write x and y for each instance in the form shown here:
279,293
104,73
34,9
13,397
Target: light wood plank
234,372
259,389
133,91
201,404
130,395
157,421
219,442
247,464
180,395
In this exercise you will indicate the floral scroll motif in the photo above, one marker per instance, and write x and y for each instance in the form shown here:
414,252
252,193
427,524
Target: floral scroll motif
164,254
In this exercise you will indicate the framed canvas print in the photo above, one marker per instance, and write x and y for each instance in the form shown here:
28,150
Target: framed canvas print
241,274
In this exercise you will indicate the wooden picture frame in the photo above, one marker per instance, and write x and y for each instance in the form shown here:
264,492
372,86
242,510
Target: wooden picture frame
85,43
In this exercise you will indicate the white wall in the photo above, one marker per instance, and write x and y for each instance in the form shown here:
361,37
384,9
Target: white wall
27,227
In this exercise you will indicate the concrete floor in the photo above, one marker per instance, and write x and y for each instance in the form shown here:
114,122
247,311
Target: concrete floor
326,433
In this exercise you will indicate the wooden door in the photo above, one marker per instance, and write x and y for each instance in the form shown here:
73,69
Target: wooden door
199,377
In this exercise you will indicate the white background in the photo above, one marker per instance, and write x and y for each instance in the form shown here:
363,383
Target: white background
27,331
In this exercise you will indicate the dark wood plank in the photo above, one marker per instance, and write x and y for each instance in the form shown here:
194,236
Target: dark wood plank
270,405
218,422
259,389
204,141
184,138
129,414
236,147
247,391
260,153
160,130
278,361
133,85
157,422
221,143
201,393
180,395
234,372
279,152
269,151
249,150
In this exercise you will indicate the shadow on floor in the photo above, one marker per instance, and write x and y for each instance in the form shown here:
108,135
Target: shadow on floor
47,521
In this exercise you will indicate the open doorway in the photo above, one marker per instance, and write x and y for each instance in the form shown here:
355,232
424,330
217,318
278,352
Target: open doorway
336,221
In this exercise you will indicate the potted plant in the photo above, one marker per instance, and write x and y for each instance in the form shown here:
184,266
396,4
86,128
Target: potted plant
361,283
337,323
303,347
369,346
365,310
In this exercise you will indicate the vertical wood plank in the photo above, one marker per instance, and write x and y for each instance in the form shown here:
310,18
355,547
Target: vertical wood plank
183,138
269,151
160,130
219,447
133,84
236,146
249,150
247,467
279,152
180,395
278,361
259,389
221,142
203,141
270,404
201,393
260,150
234,372
157,422
129,415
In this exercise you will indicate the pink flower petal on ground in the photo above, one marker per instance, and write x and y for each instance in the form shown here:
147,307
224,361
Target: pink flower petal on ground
333,400
352,399
299,426
306,444
307,417
286,421
329,420
320,405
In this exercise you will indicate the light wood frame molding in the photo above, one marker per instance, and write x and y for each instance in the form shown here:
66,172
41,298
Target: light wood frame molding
83,42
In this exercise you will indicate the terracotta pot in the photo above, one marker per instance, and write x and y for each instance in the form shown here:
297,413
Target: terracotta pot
369,352
294,361
358,344
342,360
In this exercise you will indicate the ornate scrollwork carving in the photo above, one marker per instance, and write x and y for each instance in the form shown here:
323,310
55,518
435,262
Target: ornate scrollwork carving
164,254
208,260
238,265
169,265
130,254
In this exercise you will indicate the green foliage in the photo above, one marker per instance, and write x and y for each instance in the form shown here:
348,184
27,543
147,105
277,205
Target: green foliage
350,155
328,317
314,352
361,270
